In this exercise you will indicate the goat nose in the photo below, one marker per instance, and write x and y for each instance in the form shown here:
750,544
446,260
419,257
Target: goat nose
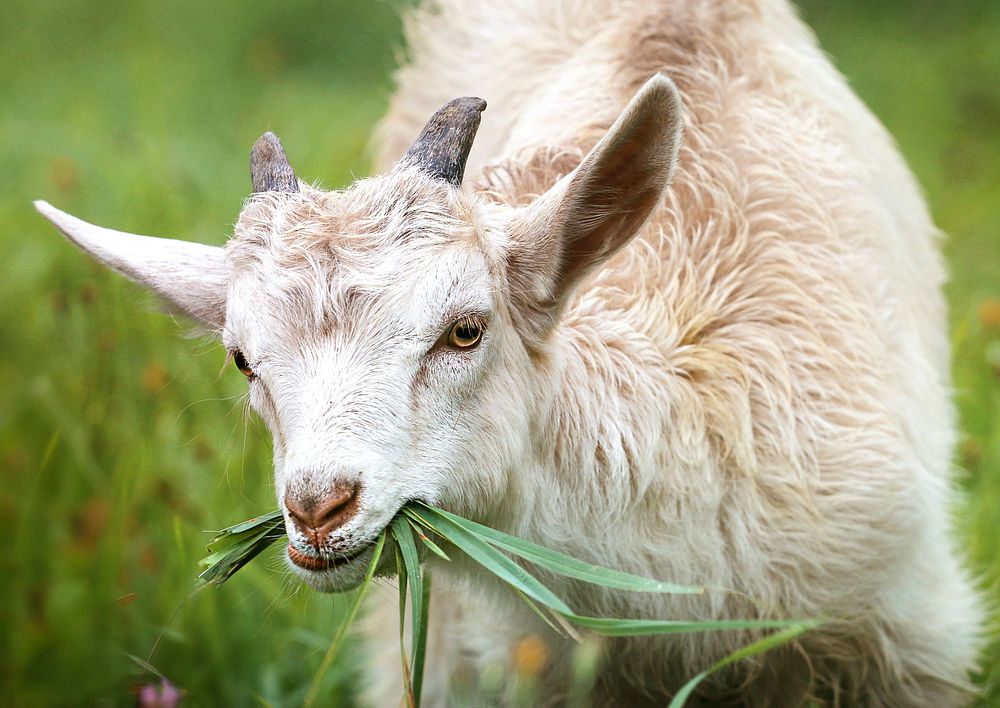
317,517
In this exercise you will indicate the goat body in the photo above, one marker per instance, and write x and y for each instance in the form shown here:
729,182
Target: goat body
739,383
753,394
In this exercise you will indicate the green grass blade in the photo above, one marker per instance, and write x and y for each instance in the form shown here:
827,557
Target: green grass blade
411,513
769,642
226,545
268,520
494,561
236,552
237,545
611,627
541,613
348,621
401,582
420,649
561,563
404,540
435,549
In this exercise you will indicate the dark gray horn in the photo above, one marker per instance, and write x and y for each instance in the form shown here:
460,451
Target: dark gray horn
443,146
269,168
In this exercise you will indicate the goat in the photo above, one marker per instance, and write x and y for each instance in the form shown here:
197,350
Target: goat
739,381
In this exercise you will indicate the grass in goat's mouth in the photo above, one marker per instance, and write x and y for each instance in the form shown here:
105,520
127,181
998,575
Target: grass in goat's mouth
237,545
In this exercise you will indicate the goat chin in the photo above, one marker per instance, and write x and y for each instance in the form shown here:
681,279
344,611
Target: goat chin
340,576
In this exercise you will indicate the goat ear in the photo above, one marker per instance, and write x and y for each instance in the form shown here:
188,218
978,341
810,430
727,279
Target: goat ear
600,206
192,277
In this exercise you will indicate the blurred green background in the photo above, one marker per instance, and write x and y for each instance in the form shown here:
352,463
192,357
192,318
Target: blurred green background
121,441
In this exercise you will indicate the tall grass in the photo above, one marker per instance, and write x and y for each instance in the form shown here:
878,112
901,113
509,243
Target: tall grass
120,442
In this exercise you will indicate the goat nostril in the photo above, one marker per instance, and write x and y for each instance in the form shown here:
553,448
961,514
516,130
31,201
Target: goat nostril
330,510
317,517
299,515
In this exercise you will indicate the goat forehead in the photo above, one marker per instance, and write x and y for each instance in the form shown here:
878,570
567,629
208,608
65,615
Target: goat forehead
386,249
401,289
315,226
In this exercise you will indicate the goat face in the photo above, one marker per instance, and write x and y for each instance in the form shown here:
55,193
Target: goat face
380,350
390,333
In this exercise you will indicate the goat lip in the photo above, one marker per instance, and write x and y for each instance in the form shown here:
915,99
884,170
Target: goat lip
317,563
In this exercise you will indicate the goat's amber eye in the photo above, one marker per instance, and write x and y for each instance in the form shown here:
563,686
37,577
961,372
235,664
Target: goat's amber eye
465,333
241,364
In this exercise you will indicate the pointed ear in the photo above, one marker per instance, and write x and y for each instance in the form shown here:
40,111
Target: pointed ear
192,277
599,207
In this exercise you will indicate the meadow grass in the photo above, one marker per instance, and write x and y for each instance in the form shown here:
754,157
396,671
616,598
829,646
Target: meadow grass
122,442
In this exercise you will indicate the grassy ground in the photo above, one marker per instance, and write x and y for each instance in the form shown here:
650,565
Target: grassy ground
120,442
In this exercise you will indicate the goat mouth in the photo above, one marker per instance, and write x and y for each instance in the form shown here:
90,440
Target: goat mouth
318,563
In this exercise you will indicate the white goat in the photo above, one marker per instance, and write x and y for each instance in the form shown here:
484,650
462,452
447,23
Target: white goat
740,383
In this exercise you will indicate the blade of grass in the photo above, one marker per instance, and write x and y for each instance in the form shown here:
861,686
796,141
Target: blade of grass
223,564
401,581
497,563
449,527
231,545
274,517
611,627
556,562
435,549
541,613
551,617
342,630
404,541
237,545
410,510
447,524
145,665
769,642
420,650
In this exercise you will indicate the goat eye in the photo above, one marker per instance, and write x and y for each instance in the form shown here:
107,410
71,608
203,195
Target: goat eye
465,333
241,364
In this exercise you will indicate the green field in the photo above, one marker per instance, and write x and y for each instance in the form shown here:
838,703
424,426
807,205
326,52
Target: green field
122,441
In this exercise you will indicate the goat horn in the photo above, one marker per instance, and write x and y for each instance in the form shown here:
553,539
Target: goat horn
269,168
442,147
